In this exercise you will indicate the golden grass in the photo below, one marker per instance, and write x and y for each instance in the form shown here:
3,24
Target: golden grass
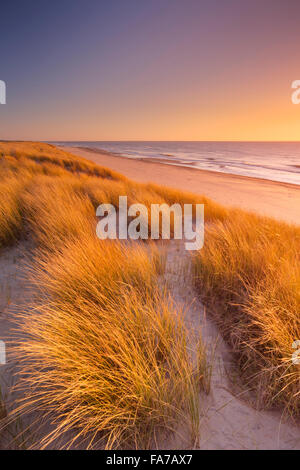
3,415
45,154
87,264
108,355
50,173
103,299
54,211
10,215
105,353
249,273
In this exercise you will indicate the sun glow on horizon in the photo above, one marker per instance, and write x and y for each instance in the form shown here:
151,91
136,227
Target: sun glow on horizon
154,72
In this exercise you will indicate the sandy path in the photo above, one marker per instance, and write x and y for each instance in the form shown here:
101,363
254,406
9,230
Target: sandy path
279,200
227,422
13,297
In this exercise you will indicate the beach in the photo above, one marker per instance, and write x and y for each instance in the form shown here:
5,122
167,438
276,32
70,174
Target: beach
149,228
268,198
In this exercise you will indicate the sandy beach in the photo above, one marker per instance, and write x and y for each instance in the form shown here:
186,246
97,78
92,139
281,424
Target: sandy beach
278,200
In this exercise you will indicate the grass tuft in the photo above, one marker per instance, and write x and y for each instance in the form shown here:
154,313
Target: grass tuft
249,273
108,354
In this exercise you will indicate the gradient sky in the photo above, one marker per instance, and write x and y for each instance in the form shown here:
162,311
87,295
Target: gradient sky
149,70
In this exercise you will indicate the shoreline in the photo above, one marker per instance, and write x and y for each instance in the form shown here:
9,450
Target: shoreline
265,197
165,161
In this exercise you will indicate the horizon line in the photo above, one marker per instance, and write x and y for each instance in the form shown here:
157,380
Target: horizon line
148,140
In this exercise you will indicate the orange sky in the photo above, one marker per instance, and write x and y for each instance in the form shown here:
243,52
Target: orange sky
169,70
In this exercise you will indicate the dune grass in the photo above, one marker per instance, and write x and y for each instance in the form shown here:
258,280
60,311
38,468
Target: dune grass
249,273
108,354
49,156
103,352
101,302
10,214
55,210
40,178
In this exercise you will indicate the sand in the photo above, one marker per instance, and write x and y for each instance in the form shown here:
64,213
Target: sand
278,200
227,419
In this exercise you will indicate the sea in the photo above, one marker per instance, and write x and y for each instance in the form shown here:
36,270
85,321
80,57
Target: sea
276,161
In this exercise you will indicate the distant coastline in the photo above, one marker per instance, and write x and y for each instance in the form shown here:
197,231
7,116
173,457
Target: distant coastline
270,198
272,161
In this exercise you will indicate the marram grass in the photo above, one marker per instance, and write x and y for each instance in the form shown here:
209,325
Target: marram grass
249,274
106,353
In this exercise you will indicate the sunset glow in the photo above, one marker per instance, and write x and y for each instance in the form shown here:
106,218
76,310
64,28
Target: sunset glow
167,70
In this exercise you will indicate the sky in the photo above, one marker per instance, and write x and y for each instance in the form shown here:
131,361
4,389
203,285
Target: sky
149,70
